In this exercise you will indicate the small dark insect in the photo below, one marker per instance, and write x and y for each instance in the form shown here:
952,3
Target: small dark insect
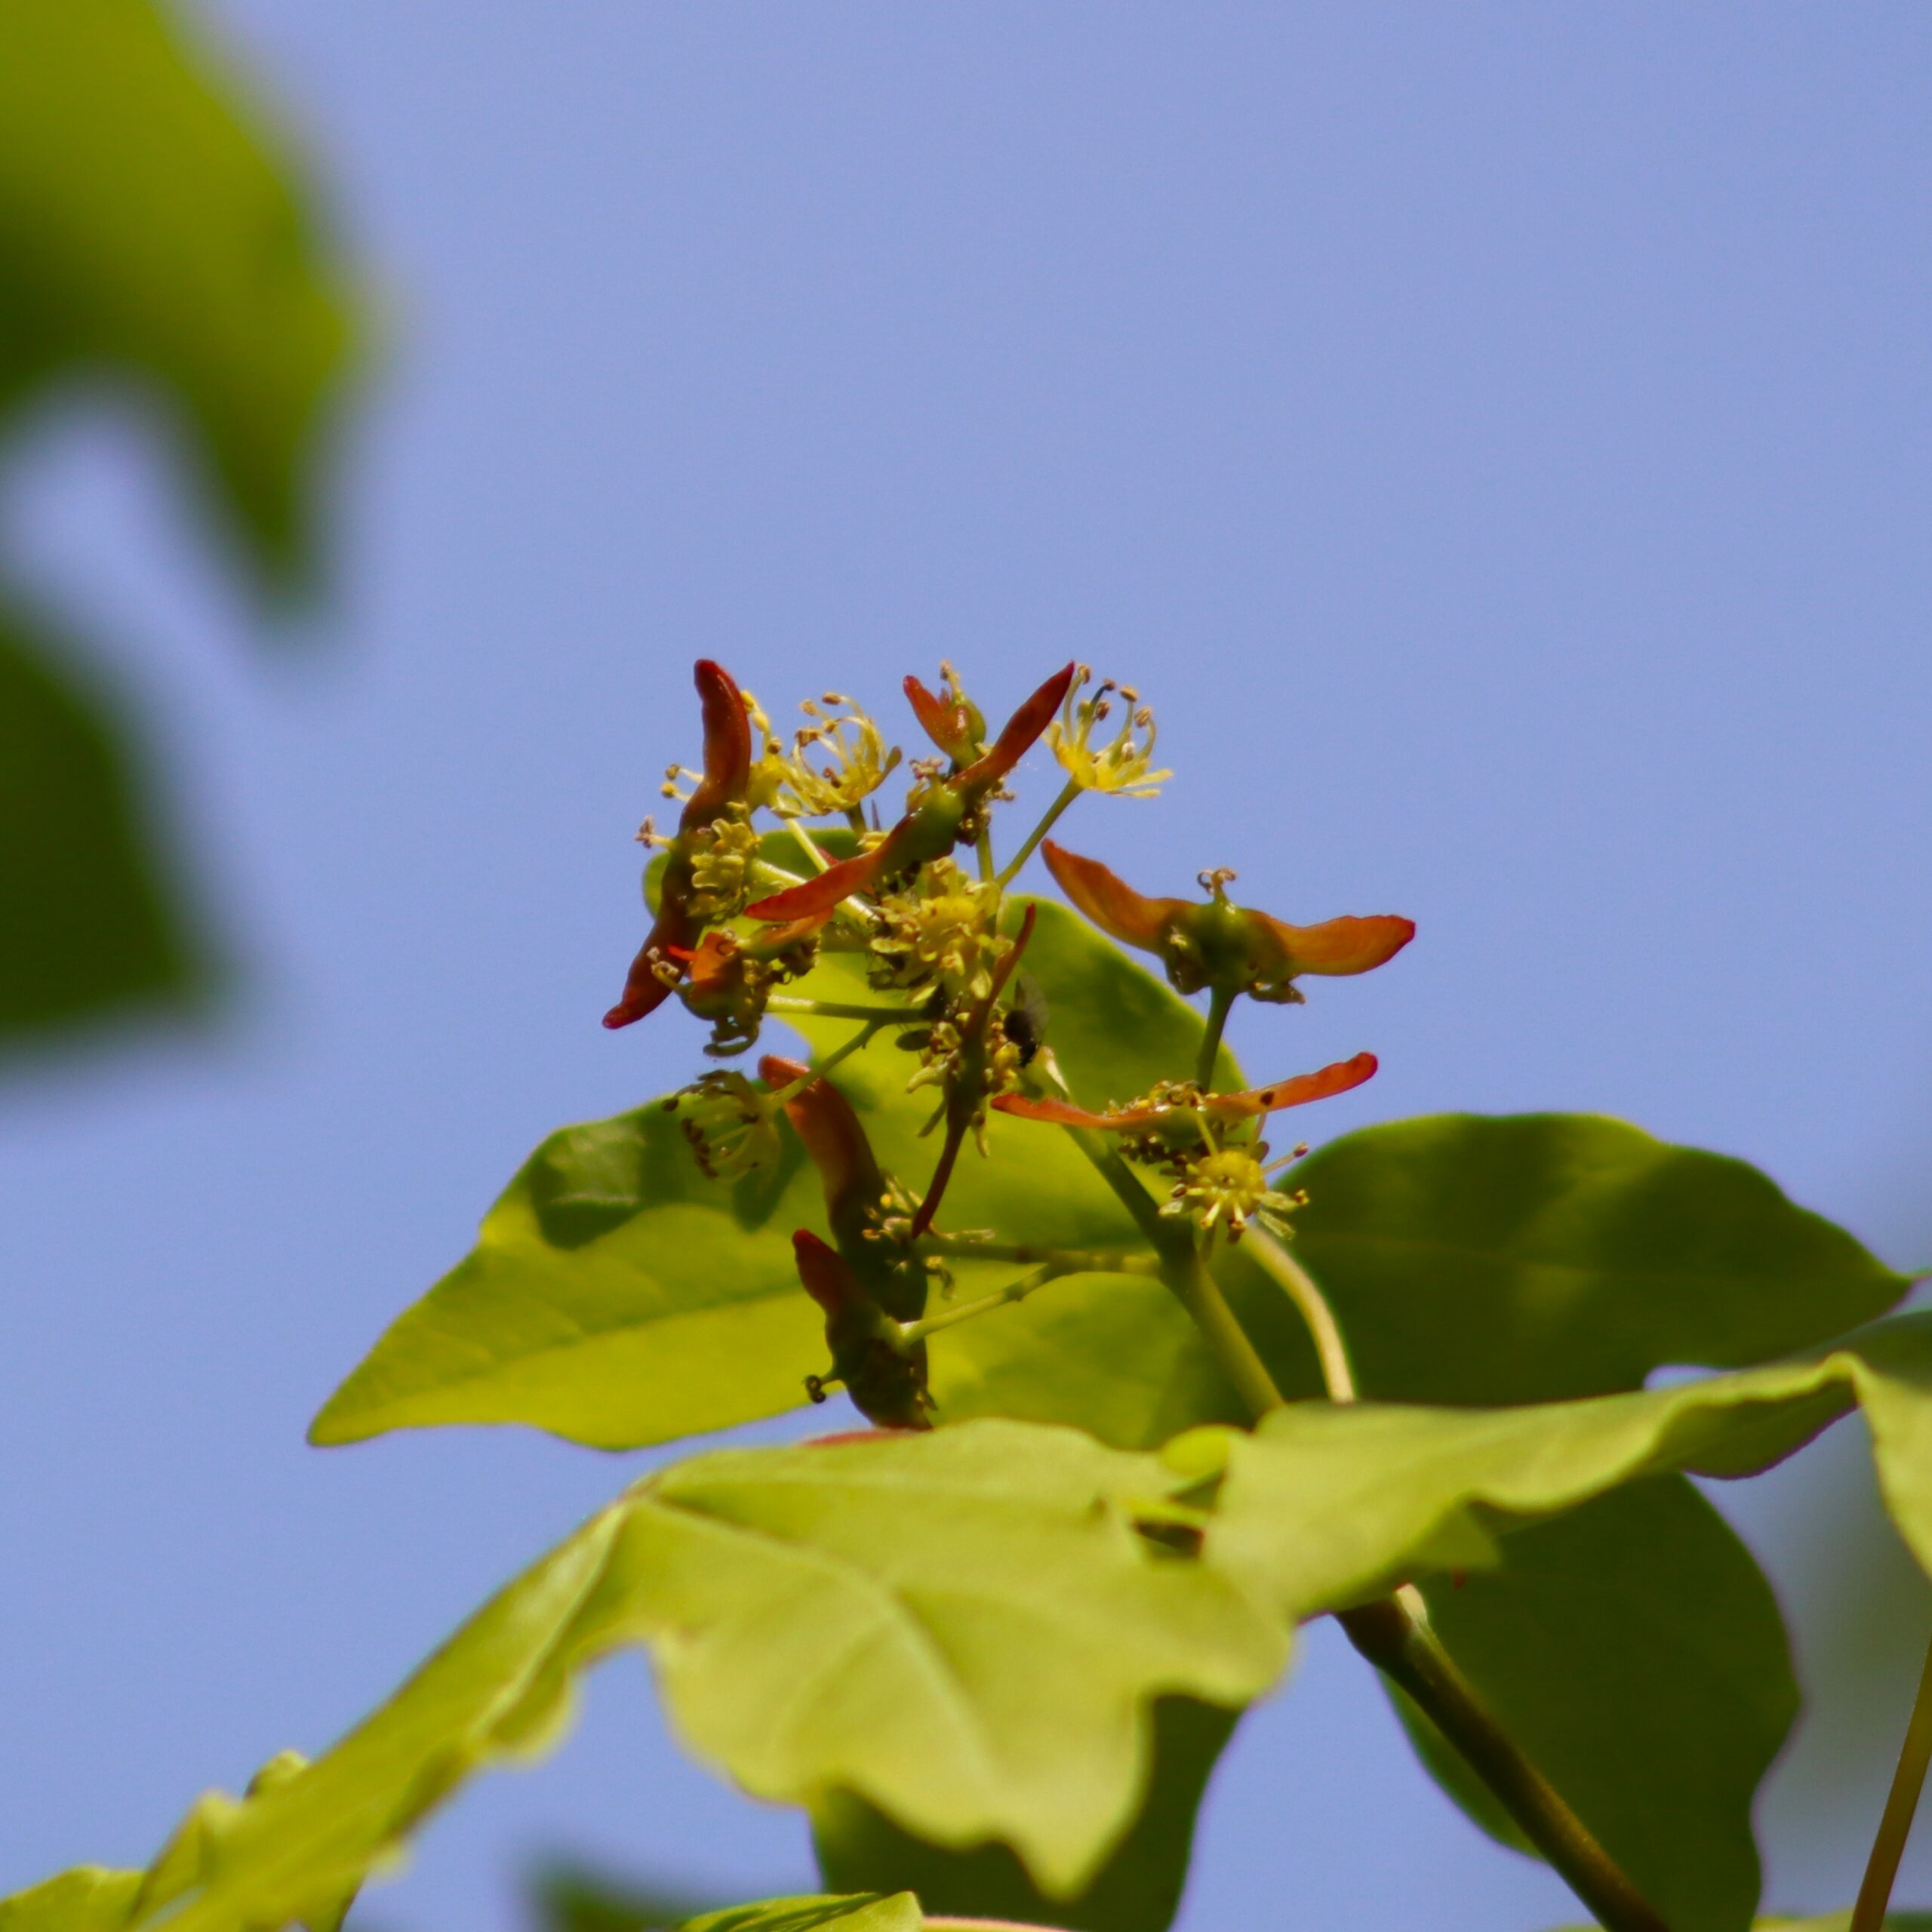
1025,1020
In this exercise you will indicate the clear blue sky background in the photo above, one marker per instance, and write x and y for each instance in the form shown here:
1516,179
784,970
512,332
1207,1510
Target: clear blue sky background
1495,438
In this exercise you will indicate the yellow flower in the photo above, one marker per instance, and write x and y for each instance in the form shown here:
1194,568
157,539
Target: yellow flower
853,760
940,932
1122,763
1229,1186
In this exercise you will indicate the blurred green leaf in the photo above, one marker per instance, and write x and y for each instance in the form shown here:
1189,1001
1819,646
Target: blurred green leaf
92,923
566,1896
965,1627
1137,1890
618,1298
146,228
1634,1650
148,237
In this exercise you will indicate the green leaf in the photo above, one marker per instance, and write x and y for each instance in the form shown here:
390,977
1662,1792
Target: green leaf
872,1911
145,228
1654,1719
615,1296
1635,1651
92,923
1529,1258
618,1298
566,1896
1473,1260
966,1628
90,1898
1137,1890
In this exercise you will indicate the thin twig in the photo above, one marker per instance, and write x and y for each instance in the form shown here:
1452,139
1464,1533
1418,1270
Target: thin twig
1073,1260
1875,1894
1394,1634
1330,1350
910,1332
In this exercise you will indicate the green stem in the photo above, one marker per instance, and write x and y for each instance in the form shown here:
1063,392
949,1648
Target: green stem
1072,1260
986,875
910,1332
1069,792
827,1009
808,845
1901,1801
1394,1634
1220,1004
1330,1350
862,1038
1197,1291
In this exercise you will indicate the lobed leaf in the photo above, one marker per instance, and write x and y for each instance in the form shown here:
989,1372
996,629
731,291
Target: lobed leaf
965,1629
616,1297
1322,1506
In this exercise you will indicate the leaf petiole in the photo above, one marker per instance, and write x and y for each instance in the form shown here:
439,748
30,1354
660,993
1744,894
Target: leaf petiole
1312,1305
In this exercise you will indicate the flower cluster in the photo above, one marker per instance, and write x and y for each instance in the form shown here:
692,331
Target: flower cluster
916,917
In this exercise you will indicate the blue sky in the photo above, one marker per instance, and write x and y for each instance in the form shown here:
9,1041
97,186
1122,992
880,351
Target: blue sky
1494,438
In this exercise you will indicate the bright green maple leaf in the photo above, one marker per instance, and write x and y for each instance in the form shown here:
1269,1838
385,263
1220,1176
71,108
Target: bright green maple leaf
617,1298
965,1629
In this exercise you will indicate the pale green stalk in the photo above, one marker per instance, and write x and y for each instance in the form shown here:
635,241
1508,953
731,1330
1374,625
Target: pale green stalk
827,1009
1069,792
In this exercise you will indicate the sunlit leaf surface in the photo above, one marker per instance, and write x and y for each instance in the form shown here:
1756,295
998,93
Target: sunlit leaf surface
617,1298
965,1629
